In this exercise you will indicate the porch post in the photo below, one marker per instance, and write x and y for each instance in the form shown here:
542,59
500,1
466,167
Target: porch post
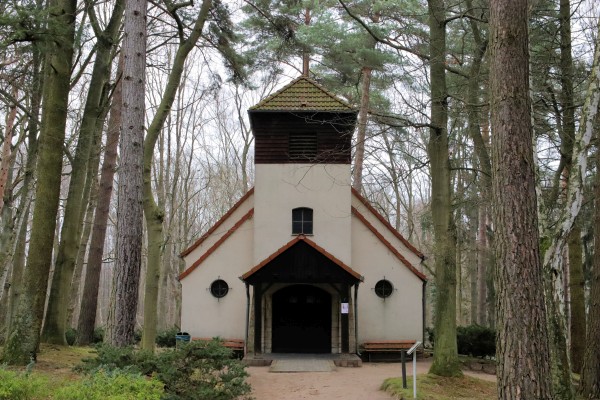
258,318
345,325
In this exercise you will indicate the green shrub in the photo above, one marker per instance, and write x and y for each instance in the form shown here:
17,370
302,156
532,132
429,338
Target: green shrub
202,371
71,335
21,386
194,371
137,335
167,338
112,385
115,358
476,340
98,335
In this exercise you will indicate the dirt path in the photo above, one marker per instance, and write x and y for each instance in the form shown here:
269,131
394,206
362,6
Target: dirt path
345,383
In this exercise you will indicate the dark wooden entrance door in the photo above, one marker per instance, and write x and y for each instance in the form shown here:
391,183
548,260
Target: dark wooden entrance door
301,320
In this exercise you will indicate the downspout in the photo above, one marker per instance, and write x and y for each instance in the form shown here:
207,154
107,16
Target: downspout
356,318
247,317
424,309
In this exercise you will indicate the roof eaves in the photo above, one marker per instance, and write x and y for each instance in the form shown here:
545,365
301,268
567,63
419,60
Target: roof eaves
387,244
312,244
262,105
385,222
217,244
217,224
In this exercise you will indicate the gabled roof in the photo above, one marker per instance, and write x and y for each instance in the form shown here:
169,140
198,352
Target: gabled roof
385,222
303,94
312,244
217,244
387,244
321,250
217,224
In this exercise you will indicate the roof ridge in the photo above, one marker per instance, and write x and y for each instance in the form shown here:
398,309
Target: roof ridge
343,104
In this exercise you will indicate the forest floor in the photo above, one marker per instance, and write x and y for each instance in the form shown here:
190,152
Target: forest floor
56,363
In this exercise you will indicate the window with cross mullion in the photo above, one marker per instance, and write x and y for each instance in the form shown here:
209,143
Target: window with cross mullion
302,221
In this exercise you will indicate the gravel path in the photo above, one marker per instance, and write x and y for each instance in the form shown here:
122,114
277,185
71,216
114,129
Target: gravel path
345,383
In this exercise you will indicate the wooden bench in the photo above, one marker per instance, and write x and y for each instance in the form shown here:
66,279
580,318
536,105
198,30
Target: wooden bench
237,345
386,346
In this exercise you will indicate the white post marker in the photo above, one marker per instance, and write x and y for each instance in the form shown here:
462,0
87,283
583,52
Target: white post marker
413,351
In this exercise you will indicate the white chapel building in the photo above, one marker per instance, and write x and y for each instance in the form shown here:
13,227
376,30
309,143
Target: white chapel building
302,263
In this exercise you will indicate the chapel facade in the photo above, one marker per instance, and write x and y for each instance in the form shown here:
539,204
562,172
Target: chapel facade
302,263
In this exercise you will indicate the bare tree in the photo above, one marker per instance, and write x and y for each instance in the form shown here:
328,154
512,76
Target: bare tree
89,302
23,340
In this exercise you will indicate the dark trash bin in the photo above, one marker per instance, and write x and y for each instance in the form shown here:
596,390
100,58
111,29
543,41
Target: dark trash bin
182,337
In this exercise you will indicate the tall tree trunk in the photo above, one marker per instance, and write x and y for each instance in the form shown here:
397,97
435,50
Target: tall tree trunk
25,200
577,303
482,260
153,213
522,346
361,136
16,286
74,296
6,147
445,356
23,341
124,297
577,294
483,158
589,386
559,231
89,301
56,318
7,239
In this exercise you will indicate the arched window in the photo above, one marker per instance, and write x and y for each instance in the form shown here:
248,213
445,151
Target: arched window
302,221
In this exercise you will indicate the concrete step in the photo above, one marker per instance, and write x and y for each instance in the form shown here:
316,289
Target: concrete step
302,365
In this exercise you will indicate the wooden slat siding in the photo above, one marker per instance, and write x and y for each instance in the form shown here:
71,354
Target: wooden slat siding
271,149
218,243
217,224
272,131
387,244
385,222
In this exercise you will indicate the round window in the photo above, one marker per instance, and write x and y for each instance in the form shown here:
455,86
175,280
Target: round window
219,288
384,288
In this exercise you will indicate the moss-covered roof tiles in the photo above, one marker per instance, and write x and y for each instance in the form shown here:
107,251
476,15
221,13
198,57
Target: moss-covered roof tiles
303,94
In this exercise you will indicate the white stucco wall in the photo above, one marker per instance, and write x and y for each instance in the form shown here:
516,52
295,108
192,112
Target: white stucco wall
203,315
398,317
325,188
389,236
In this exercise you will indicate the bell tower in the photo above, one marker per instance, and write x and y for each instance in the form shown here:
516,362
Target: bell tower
303,138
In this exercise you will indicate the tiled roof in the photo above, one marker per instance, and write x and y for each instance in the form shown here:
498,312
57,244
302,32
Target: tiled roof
390,228
217,224
302,94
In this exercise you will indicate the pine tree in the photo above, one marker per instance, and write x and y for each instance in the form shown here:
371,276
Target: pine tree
522,339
